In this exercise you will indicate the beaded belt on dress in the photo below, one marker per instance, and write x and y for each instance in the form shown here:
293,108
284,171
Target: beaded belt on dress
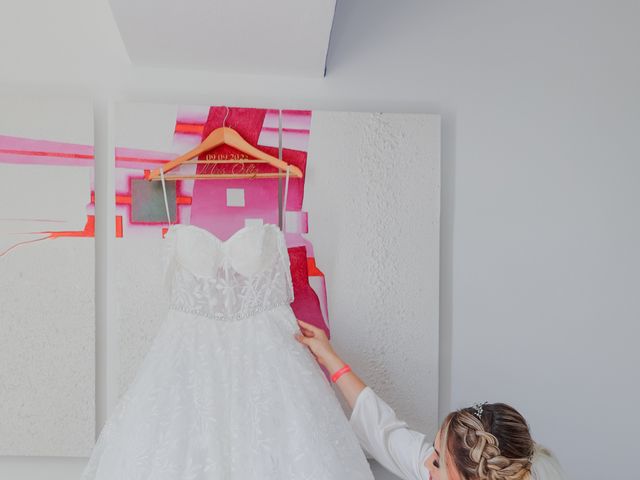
230,317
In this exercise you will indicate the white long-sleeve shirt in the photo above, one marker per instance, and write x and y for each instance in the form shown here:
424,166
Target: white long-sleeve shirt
389,440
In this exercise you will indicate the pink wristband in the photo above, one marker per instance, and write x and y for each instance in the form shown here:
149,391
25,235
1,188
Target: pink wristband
339,373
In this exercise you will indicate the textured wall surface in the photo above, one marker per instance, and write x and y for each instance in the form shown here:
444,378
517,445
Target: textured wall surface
47,374
141,304
373,196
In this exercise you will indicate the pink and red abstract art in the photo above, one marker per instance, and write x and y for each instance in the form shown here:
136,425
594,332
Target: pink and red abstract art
28,161
224,206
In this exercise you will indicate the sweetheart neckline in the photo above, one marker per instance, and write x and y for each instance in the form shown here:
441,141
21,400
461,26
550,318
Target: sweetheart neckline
218,239
223,247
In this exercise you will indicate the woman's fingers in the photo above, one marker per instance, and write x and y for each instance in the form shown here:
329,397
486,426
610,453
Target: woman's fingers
309,327
305,324
306,333
303,340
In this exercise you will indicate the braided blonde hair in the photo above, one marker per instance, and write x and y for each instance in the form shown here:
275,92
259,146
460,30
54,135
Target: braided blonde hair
491,444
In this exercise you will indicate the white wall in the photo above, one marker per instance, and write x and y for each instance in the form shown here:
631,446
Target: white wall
539,303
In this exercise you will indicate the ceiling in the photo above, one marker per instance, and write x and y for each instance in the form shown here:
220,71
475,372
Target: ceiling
276,37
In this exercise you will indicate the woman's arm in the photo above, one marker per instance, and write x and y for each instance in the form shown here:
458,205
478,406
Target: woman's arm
349,383
386,438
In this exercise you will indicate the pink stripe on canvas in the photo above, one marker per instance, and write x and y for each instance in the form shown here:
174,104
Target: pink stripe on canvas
295,119
44,152
141,159
192,114
291,139
295,129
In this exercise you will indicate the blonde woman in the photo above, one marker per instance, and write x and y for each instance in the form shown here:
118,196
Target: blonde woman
488,441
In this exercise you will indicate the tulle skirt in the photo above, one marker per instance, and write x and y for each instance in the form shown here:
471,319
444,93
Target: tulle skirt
228,400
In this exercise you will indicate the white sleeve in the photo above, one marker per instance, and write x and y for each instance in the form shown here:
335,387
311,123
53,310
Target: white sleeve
387,439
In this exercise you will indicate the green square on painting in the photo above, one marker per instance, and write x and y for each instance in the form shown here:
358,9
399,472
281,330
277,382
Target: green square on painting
147,201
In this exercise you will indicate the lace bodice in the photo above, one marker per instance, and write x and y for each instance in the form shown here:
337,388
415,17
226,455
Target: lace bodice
226,280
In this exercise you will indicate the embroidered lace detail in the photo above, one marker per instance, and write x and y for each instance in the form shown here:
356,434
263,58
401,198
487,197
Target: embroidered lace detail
225,283
208,298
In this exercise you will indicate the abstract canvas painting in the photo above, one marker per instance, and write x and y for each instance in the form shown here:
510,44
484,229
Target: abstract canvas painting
47,318
362,219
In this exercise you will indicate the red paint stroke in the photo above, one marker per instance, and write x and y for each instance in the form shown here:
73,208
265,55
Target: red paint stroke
124,199
314,271
126,158
89,230
118,226
304,131
190,128
34,153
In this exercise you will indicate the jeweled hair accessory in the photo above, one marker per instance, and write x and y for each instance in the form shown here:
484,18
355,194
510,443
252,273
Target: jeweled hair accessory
478,407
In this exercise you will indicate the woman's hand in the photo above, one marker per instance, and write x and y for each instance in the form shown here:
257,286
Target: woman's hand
313,337
316,339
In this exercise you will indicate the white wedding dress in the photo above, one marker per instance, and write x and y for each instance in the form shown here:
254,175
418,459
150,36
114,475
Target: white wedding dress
225,391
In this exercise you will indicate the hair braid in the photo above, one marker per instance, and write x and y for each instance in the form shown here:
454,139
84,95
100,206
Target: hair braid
475,443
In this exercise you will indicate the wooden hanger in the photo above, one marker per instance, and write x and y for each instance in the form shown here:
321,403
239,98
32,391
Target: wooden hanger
226,136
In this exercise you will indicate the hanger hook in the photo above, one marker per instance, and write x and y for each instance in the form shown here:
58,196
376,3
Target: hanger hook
224,120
